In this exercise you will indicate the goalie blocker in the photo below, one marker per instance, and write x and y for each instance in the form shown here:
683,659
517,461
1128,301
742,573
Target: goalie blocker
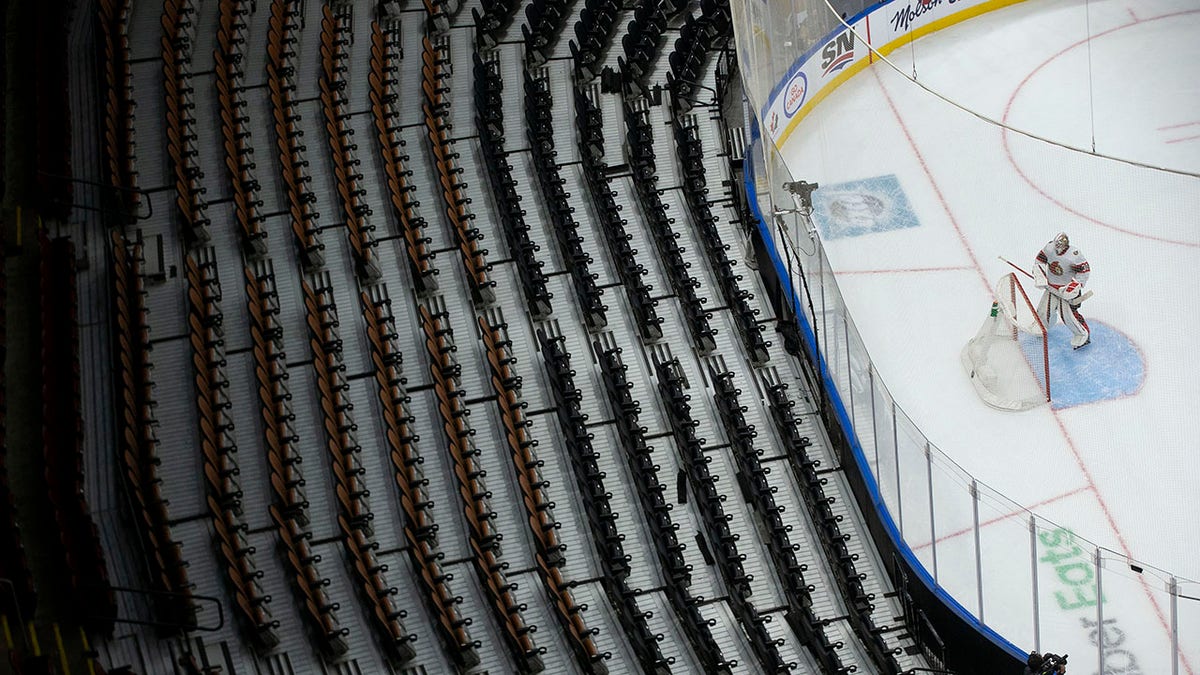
1008,359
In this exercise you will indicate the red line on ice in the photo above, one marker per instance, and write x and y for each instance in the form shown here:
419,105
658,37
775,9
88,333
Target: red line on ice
1185,138
936,189
1177,126
965,530
1008,151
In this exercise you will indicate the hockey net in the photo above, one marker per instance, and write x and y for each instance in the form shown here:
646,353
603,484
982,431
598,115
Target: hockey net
1007,360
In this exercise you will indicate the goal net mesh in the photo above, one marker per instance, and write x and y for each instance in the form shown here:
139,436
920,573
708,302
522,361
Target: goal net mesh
1007,359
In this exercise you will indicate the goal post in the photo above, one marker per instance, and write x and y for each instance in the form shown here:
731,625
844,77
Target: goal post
1008,360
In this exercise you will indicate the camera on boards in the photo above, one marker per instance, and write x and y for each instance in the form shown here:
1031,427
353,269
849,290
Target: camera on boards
1045,664
803,190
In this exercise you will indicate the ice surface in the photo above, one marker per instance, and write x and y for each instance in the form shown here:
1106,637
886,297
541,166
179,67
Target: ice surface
1114,458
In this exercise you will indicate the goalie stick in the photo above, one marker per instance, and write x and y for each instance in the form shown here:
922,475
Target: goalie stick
1012,264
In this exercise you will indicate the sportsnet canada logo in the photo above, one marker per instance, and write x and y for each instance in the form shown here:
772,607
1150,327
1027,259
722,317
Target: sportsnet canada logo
793,96
837,53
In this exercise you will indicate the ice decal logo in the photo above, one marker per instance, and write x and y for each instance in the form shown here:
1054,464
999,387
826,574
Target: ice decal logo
1109,368
794,95
837,53
862,207
773,124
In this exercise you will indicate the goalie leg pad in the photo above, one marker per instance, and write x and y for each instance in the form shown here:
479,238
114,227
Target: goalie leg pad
1048,308
1080,333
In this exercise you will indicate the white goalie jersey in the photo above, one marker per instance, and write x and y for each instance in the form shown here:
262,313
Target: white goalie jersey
1061,270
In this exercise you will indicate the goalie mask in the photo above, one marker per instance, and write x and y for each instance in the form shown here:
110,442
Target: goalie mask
1061,243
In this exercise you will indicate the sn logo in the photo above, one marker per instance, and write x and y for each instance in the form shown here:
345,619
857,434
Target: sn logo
837,52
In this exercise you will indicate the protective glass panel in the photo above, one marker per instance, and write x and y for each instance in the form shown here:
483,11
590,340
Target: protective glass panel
882,429
953,532
1006,558
859,365
910,504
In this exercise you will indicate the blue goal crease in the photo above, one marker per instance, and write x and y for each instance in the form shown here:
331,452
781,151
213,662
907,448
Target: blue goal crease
1110,367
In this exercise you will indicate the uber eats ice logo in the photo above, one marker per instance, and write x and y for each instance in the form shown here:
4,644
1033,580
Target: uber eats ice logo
794,95
1075,594
837,53
1071,566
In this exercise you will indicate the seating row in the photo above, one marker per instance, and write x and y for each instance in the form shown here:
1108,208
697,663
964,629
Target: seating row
420,529
385,95
289,505
721,541
833,541
271,375
589,126
355,518
707,499
179,31
493,20
625,410
640,139
489,120
548,549
485,539
698,630
120,149
206,334
754,626
594,32
334,86
641,43
62,443
220,451
320,611
756,491
539,119
137,442
228,62
596,499
251,600
699,35
544,22
805,469
691,159
636,623
282,40
720,22
584,459
434,76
